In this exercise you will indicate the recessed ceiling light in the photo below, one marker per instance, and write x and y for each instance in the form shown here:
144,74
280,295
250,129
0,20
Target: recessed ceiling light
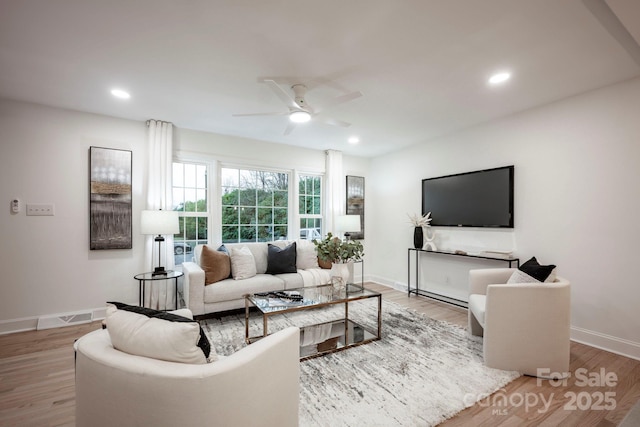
299,116
499,78
119,93
353,140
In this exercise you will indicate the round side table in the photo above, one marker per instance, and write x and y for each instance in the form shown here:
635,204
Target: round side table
143,278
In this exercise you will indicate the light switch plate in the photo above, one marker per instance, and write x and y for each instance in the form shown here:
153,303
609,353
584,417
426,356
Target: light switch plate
40,209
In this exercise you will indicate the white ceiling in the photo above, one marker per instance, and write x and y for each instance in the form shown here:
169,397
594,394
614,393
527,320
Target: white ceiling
421,65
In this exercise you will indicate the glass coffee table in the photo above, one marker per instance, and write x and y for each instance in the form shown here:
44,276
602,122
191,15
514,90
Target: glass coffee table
323,338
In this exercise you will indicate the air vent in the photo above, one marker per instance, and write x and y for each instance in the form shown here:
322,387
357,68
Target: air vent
59,321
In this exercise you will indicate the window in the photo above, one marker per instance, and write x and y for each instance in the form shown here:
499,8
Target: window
310,206
254,205
190,199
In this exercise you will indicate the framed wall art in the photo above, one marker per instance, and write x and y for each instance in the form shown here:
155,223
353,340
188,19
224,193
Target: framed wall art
355,201
109,198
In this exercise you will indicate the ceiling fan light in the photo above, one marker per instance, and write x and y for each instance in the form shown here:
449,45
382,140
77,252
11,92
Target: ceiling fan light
299,116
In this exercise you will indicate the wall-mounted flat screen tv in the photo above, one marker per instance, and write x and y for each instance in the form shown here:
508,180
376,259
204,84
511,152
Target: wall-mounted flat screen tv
473,199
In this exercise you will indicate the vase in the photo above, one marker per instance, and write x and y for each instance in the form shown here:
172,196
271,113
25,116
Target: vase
339,276
417,238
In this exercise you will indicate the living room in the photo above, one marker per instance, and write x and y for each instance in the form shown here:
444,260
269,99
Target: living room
576,167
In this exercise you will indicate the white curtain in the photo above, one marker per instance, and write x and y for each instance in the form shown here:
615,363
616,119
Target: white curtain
161,294
335,196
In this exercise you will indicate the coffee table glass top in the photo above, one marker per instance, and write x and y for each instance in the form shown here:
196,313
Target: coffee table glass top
310,296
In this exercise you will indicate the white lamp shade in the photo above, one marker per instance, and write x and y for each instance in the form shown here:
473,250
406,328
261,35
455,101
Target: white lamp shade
349,223
159,222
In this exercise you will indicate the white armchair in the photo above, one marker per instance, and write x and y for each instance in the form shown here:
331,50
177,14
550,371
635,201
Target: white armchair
256,386
525,325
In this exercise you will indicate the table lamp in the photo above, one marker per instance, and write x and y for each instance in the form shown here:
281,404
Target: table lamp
348,224
159,223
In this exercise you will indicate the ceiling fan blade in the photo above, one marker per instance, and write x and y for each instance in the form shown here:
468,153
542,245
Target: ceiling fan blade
279,113
341,100
290,127
334,122
282,94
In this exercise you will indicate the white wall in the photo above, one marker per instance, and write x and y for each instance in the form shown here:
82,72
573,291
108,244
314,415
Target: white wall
47,267
46,264
577,171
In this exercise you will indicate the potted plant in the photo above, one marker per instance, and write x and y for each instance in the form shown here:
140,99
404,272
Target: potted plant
339,254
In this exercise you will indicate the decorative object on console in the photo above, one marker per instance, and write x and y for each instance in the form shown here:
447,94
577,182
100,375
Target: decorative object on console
109,198
430,235
532,272
355,203
419,222
159,223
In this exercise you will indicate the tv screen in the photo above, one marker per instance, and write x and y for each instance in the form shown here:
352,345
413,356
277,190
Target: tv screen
473,199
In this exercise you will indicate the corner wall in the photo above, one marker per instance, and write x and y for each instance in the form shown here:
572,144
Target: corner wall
577,171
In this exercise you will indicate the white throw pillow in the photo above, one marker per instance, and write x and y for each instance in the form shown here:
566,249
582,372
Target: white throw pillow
155,338
243,264
306,256
520,276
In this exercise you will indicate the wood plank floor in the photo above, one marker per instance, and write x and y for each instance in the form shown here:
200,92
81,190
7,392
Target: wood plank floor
37,381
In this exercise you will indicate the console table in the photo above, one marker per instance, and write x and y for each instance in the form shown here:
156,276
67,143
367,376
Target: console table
506,259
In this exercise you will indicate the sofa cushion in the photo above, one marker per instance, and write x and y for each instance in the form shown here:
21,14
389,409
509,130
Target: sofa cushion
533,270
157,334
216,265
281,260
243,265
229,289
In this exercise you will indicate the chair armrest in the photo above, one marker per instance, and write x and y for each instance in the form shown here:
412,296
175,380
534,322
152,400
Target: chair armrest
193,287
481,278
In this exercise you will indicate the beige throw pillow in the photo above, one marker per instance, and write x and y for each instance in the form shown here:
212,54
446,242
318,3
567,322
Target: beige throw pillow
306,256
243,265
216,265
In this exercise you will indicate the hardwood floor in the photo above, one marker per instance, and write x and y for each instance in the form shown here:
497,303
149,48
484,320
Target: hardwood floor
37,381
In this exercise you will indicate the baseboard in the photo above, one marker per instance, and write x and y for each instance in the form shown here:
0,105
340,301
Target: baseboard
24,324
606,342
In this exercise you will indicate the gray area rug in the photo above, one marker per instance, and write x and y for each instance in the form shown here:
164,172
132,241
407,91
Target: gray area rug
420,373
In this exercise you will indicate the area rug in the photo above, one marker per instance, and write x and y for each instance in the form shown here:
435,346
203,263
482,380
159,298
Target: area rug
420,373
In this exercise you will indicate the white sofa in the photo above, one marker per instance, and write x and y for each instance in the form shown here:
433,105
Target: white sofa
228,294
526,326
256,386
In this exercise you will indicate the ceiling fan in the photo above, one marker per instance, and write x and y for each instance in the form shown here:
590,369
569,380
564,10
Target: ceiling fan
298,109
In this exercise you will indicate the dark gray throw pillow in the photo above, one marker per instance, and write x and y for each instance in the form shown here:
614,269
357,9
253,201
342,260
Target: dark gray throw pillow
535,270
281,260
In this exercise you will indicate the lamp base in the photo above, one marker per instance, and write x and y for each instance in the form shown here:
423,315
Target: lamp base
160,271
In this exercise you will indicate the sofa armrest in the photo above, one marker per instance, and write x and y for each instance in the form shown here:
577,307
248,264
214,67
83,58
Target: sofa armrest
481,278
193,287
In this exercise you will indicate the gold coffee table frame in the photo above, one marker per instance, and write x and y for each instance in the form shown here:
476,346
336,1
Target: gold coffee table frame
349,333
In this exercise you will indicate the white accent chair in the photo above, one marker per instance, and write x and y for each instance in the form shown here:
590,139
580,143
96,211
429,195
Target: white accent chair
525,325
256,386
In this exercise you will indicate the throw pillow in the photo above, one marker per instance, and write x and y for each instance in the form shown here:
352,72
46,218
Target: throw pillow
533,270
281,260
243,265
216,265
306,255
520,276
157,334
